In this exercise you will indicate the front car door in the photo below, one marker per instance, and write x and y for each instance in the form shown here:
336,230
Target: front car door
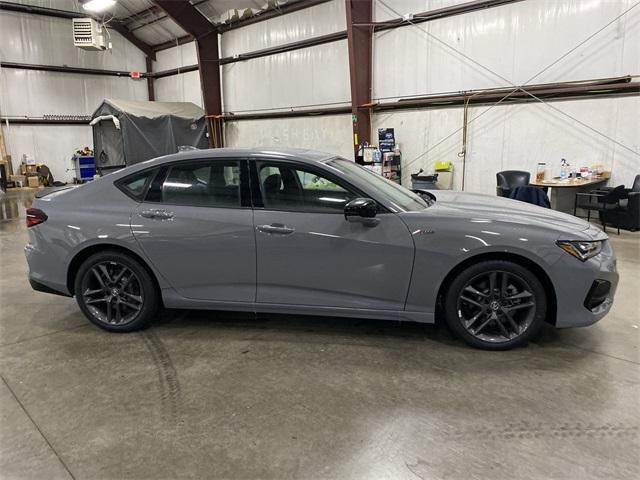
196,226
309,255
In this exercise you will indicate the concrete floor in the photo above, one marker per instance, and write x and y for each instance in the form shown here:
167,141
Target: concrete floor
212,395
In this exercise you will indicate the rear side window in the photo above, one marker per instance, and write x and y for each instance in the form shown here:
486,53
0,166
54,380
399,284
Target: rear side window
207,184
135,185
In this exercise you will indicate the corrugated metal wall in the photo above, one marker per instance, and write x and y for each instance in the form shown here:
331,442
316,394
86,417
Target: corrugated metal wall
44,40
513,41
184,87
516,42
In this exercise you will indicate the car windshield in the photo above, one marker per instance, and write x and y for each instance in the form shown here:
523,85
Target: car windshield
400,197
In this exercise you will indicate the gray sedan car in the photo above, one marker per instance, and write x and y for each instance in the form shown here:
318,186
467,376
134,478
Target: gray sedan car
303,232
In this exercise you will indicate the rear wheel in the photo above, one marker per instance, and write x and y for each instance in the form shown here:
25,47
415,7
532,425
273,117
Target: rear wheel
495,305
116,292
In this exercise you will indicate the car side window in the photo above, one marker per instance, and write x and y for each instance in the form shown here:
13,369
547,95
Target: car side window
135,185
292,188
215,184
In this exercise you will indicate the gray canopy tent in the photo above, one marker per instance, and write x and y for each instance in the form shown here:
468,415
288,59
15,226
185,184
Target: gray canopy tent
126,132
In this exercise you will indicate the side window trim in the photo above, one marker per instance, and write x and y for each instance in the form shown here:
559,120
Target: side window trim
154,192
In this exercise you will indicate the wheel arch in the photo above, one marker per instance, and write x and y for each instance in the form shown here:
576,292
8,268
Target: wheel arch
85,253
521,260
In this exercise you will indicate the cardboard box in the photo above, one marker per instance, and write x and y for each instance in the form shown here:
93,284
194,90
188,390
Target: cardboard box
27,169
33,182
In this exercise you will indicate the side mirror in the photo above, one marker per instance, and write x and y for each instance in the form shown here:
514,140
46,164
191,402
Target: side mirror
361,210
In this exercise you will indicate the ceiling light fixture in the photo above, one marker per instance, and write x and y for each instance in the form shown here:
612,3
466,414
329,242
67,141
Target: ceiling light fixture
98,5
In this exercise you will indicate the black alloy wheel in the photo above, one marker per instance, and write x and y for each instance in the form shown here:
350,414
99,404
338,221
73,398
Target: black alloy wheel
496,305
116,292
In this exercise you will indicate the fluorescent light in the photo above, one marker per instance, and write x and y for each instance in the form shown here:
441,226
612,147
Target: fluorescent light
98,5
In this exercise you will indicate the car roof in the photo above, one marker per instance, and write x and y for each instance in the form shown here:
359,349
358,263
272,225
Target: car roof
285,153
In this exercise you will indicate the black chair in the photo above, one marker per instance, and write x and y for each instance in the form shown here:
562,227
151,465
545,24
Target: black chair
598,200
626,214
509,179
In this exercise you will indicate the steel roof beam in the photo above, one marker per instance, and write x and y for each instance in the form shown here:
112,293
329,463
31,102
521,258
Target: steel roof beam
271,13
195,23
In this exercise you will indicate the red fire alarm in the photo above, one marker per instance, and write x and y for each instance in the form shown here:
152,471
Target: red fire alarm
135,75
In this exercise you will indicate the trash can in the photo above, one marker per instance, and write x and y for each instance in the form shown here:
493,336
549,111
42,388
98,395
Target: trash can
424,182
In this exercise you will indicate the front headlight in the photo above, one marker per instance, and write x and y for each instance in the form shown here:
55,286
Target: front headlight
582,250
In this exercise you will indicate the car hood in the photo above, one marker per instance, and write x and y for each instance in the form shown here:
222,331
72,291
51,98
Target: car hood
485,208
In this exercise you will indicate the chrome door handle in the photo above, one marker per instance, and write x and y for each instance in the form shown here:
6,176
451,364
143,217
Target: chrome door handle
276,228
159,214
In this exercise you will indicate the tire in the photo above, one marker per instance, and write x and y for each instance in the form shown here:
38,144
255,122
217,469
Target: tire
495,305
116,292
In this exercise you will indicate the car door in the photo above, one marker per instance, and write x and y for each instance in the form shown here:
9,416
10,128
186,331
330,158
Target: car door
308,254
196,227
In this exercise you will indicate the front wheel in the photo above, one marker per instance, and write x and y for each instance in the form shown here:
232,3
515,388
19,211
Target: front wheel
495,305
116,292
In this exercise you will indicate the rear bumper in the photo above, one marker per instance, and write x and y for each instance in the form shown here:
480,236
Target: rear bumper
585,291
41,287
46,272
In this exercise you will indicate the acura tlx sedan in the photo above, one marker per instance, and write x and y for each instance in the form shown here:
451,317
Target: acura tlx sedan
303,232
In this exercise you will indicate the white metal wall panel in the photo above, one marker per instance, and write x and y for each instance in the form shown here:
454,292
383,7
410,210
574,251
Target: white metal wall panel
310,22
179,88
328,133
45,40
518,137
515,41
50,144
310,76
184,87
48,40
180,56
35,93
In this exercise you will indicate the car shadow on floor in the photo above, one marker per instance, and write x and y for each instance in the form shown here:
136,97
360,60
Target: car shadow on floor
323,325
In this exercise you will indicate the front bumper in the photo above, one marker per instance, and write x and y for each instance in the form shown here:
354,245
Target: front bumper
585,290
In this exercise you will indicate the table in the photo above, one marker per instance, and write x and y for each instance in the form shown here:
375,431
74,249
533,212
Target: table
563,192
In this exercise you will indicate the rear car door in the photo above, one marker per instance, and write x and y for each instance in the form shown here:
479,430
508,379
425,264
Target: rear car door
196,226
308,254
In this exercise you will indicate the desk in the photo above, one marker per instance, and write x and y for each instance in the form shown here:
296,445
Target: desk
563,192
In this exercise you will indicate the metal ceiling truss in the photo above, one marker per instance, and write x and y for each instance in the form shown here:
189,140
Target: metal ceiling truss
273,12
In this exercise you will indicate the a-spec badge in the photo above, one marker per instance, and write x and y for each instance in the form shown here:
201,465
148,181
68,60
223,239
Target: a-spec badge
422,231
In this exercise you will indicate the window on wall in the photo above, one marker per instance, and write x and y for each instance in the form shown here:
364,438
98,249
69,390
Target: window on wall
207,184
298,189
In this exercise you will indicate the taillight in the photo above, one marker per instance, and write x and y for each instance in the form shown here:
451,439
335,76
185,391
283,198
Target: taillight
35,216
